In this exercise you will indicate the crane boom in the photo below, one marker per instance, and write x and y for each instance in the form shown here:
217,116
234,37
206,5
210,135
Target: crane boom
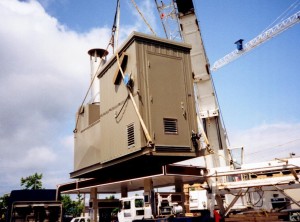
168,14
263,37
207,108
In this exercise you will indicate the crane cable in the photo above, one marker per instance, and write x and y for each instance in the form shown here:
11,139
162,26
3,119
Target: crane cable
137,8
111,42
146,132
115,29
87,92
281,16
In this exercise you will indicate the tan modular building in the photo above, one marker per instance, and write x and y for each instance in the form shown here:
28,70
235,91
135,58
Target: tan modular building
109,136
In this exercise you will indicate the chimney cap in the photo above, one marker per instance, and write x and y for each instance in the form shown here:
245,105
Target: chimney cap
98,52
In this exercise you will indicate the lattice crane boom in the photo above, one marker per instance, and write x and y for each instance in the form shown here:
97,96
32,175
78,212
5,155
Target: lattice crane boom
168,14
263,37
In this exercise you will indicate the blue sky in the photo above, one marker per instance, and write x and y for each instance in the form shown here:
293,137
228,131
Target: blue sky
270,69
262,85
45,73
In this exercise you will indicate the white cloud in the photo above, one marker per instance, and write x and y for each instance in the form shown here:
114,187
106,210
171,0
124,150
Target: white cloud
44,75
147,9
38,157
68,142
268,141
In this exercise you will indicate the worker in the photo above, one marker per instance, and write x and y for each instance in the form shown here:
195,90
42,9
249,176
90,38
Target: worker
217,216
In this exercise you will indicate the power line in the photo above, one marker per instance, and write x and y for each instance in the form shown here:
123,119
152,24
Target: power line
292,141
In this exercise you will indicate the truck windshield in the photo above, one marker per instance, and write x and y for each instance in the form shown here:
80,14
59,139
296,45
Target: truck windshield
139,203
126,204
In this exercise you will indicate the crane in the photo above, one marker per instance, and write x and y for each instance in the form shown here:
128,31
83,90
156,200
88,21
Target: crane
169,17
262,38
177,19
180,15
168,13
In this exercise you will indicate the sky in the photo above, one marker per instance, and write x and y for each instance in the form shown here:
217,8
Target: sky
44,75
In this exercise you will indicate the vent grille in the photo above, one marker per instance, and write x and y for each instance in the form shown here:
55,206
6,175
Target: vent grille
130,135
170,126
172,149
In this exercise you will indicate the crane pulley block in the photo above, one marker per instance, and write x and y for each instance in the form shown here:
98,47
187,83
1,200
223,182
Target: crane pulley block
209,113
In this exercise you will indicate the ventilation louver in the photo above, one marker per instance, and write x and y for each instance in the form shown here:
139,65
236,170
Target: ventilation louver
170,126
130,135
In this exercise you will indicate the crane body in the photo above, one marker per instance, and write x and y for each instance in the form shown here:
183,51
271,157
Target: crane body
207,107
208,114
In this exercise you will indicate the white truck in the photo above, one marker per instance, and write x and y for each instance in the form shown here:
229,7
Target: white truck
198,200
135,208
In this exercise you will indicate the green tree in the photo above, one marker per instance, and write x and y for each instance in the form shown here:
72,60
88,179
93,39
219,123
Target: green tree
32,182
111,197
72,207
3,206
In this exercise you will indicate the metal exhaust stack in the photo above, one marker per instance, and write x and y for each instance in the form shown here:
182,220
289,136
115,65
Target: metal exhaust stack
97,60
